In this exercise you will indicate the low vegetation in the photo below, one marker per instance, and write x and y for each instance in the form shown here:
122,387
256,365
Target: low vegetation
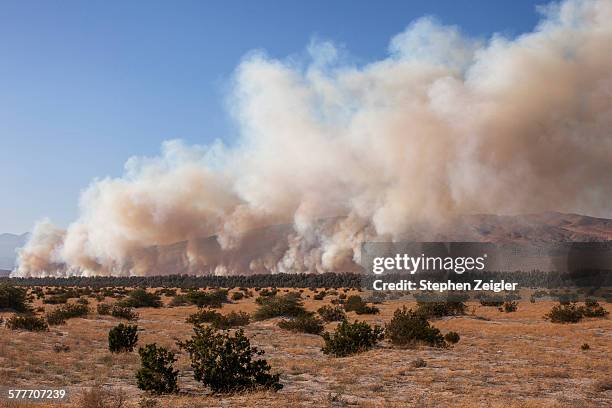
356,304
440,308
27,322
305,323
122,338
68,311
141,298
287,305
572,313
227,362
157,374
351,338
408,328
13,298
332,313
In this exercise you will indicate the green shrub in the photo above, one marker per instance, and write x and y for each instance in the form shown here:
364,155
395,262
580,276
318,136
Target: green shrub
351,338
409,328
332,313
306,323
214,299
27,322
452,337
593,309
141,298
564,313
288,305
156,373
228,363
57,299
123,312
509,307
219,321
440,309
13,298
492,300
122,338
203,316
65,312
355,304
103,309
268,292
237,295
232,319
320,296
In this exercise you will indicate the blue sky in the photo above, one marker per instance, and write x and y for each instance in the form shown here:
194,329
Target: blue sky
85,85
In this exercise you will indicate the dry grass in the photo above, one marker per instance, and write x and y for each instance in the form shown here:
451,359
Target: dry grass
504,360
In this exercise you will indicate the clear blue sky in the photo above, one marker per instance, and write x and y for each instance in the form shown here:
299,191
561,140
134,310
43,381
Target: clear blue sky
85,85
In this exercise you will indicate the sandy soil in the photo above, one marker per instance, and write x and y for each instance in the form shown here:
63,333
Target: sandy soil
503,360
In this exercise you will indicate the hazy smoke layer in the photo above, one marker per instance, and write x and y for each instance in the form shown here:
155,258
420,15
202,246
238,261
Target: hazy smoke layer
445,125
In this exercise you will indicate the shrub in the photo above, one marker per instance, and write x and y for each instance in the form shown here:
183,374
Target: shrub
57,299
219,321
288,305
141,298
179,300
409,328
123,312
561,313
61,348
13,298
103,309
351,338
306,323
452,337
215,298
228,363
440,309
65,312
493,300
203,316
332,313
509,307
232,319
365,309
320,295
27,322
355,304
418,363
268,292
156,374
122,338
585,347
237,295
593,309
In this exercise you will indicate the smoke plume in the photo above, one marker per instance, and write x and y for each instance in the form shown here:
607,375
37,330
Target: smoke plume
444,125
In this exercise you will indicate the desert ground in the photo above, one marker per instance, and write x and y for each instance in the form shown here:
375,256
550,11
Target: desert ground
502,360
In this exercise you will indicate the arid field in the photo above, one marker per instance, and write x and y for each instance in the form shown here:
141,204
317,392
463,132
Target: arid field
513,359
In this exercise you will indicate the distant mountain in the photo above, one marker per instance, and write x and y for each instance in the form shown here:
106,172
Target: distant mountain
8,244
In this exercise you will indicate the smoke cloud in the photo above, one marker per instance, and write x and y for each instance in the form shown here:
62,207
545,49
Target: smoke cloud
445,125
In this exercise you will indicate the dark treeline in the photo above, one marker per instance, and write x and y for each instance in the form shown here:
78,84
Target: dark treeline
535,278
298,280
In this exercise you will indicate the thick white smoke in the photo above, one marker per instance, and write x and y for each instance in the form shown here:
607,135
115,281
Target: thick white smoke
445,125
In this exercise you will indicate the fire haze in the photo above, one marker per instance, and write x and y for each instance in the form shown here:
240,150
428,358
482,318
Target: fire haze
445,125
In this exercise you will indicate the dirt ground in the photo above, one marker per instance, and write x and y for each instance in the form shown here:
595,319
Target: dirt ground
502,360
